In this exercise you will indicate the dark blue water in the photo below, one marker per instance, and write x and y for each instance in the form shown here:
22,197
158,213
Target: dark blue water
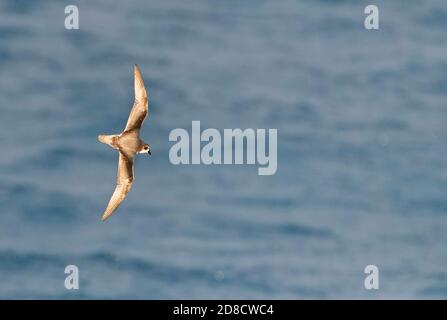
362,172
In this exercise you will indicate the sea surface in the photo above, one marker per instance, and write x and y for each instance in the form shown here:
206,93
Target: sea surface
362,159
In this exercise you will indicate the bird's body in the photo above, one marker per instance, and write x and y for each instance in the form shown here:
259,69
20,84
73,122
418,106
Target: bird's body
128,144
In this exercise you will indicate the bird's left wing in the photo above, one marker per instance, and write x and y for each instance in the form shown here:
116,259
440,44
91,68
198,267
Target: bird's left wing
140,106
123,184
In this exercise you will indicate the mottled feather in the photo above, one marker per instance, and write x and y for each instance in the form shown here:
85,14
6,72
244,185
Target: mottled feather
124,181
140,106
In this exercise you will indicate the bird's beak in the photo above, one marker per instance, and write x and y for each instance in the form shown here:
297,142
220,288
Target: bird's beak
149,152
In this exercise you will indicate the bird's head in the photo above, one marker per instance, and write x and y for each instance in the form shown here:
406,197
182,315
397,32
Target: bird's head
145,148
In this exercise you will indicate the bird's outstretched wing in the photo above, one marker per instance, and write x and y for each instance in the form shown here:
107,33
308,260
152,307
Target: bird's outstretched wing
140,106
123,184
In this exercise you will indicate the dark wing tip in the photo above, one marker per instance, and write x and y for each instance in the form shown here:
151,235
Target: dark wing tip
136,68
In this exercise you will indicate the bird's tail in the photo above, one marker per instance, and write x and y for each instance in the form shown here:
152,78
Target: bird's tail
107,139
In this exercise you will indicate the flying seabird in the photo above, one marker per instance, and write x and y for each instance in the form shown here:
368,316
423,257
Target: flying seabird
128,144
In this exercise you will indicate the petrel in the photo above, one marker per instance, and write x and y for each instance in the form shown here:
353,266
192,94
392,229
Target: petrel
128,144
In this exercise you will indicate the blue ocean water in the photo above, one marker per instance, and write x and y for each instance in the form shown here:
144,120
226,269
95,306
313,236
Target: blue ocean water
362,172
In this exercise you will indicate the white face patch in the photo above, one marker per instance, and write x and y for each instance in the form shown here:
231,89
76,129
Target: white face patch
144,150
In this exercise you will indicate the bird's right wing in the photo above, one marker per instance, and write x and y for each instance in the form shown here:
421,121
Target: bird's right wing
140,106
123,184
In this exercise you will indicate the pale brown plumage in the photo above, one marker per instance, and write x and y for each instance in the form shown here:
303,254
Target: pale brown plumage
128,144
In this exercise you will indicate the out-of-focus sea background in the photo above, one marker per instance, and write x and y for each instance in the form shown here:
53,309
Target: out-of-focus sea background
362,168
